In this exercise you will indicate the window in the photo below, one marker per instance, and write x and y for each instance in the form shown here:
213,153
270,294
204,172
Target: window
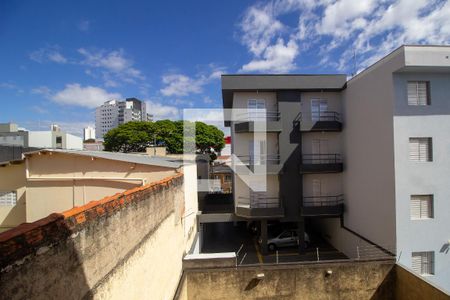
423,262
319,108
227,178
8,198
420,149
421,207
418,93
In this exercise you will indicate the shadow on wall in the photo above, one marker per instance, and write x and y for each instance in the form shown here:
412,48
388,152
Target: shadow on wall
40,242
16,215
89,251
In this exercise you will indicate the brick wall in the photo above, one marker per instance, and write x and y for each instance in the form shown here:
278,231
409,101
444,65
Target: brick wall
101,249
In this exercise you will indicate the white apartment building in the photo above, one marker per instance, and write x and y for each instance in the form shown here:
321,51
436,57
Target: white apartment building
88,133
364,161
113,113
11,135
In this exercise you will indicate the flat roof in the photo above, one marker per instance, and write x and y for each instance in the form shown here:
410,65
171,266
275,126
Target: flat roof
275,82
142,159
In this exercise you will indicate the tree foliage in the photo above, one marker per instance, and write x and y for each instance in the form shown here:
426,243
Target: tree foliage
137,136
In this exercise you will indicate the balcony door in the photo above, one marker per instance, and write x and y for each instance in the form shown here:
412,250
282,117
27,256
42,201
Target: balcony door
318,107
257,152
253,105
319,190
319,149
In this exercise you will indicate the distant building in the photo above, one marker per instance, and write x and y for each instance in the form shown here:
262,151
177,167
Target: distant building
93,145
113,113
88,133
11,135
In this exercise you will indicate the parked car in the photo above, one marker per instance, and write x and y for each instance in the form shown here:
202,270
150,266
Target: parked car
286,238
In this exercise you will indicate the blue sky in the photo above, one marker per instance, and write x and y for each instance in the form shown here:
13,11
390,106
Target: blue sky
60,59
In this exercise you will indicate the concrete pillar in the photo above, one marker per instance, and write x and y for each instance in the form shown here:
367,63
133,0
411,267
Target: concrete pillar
263,232
301,236
200,237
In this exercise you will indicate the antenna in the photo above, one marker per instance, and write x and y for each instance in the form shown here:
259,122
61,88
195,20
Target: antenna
354,63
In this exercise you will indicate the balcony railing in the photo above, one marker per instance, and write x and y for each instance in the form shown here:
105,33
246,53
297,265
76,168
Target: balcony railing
259,205
315,201
259,116
268,159
323,206
319,121
333,158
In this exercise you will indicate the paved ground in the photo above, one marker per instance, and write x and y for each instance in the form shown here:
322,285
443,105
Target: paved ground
226,237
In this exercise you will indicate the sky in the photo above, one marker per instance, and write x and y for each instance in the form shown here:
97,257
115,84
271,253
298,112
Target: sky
61,59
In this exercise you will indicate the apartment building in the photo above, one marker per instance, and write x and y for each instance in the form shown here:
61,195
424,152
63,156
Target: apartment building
367,156
300,149
114,112
12,135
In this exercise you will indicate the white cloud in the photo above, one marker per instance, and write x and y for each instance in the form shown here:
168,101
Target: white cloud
84,25
48,53
278,58
114,61
183,85
42,90
76,95
368,28
161,111
180,85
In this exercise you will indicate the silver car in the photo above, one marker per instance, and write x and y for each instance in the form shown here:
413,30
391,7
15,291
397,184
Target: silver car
285,239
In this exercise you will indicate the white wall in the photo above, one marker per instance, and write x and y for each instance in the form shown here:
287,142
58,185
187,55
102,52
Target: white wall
41,139
73,142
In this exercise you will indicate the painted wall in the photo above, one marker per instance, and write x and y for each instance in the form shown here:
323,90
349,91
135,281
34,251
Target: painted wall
73,142
42,139
331,184
12,178
51,189
368,144
416,178
118,249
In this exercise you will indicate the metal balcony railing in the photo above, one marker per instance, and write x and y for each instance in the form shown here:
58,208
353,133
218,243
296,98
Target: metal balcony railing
258,200
332,158
268,159
321,201
318,116
259,116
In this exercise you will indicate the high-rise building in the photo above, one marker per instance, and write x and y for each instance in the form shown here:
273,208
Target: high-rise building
363,159
88,133
114,112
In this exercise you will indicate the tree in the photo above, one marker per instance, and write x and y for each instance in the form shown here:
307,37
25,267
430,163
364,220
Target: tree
129,137
137,136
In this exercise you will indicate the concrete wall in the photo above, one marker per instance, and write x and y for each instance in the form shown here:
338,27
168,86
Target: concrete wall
73,142
309,281
129,246
41,139
423,178
12,178
369,185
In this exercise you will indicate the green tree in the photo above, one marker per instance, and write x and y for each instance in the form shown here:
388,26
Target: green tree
129,137
137,136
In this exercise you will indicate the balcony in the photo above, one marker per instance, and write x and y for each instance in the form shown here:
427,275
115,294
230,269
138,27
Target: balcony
271,163
259,206
323,206
246,122
320,121
321,163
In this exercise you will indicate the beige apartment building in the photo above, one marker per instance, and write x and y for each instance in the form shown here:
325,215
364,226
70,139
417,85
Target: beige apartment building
49,181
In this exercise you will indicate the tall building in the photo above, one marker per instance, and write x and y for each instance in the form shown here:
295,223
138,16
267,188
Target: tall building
113,113
88,133
360,159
